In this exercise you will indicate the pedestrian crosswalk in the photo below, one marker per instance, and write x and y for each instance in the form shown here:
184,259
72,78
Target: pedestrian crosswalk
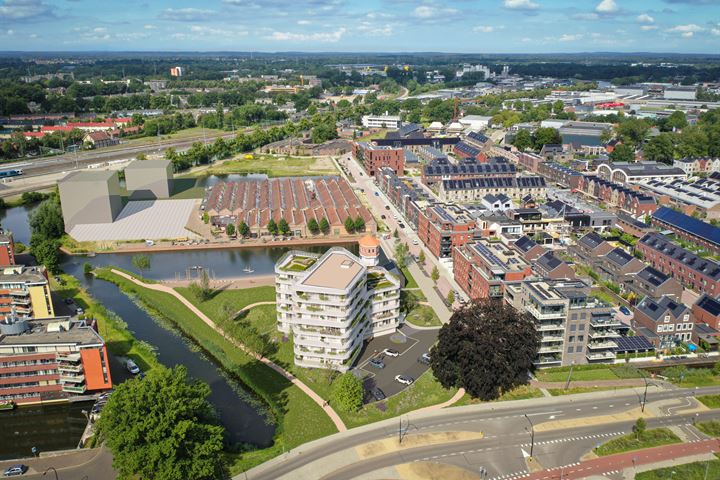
512,476
575,439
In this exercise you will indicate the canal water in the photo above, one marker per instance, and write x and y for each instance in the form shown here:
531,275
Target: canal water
242,415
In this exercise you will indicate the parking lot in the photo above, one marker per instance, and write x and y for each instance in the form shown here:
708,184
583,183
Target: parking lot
410,343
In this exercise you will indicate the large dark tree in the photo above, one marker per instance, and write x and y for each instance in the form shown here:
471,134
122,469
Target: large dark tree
487,348
162,427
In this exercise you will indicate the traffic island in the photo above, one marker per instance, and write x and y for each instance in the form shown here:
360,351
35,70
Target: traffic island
390,445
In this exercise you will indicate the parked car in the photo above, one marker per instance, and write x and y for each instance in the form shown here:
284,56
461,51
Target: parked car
377,194
405,380
132,367
387,207
104,396
415,242
16,470
394,216
391,353
383,217
424,358
401,225
79,310
377,363
377,394
624,310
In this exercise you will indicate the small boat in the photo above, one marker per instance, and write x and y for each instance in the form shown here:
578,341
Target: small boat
7,405
248,270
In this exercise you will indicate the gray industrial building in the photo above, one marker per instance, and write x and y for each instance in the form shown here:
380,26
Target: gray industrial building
90,197
149,179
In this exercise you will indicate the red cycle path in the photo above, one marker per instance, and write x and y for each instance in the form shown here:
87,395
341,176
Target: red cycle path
622,461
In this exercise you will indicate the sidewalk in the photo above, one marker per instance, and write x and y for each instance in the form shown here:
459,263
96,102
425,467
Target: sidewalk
339,424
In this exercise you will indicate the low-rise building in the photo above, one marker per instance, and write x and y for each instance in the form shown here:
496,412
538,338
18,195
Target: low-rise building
667,318
617,265
651,282
529,249
699,274
695,165
331,303
7,248
706,310
482,269
474,189
626,172
633,202
441,227
50,360
440,170
632,226
701,195
691,229
575,327
531,161
560,174
381,121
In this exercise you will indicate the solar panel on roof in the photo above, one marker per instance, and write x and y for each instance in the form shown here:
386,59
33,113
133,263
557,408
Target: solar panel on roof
628,344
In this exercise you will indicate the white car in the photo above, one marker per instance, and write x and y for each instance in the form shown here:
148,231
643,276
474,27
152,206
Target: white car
132,367
391,353
405,380
415,242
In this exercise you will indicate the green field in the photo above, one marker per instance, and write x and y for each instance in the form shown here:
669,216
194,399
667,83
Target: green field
299,418
424,316
648,439
556,392
273,166
587,373
523,392
711,428
409,279
710,401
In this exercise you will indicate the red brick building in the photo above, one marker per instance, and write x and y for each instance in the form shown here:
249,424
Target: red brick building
482,269
624,198
374,157
7,248
442,227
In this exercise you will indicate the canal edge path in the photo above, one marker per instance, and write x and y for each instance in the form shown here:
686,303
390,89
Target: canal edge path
339,424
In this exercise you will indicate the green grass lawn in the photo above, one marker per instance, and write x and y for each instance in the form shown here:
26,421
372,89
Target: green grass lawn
423,316
119,340
273,166
586,373
689,471
710,401
299,419
232,299
711,428
522,392
409,279
649,438
556,392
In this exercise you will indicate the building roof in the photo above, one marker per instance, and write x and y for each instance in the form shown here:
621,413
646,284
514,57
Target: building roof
661,244
657,309
148,164
443,169
619,256
645,169
653,276
369,241
688,224
47,332
525,244
709,304
336,270
89,176
592,240
548,261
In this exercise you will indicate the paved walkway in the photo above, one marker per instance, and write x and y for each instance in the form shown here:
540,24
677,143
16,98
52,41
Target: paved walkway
621,461
339,424
629,382
251,306
455,398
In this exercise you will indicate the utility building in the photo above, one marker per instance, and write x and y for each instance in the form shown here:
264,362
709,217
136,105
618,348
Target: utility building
149,179
90,197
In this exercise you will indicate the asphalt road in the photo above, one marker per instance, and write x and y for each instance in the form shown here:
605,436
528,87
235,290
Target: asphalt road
503,424
97,467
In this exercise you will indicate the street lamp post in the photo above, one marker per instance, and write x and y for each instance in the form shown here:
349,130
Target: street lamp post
532,435
54,471
642,408
567,384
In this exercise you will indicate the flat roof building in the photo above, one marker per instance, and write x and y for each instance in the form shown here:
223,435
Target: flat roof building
90,197
149,179
25,292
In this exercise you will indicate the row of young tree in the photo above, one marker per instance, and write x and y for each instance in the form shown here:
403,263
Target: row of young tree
283,228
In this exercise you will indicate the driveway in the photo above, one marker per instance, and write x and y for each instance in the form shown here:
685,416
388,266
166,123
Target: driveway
411,343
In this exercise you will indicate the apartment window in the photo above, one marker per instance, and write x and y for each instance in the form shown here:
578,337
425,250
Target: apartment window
573,327
571,338
573,316
582,328
581,338
571,349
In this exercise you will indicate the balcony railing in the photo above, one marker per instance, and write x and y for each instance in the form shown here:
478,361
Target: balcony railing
551,349
601,345
72,378
544,315
601,356
68,357
547,327
74,388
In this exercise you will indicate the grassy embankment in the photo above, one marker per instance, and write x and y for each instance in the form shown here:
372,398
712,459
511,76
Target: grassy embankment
587,373
299,419
649,438
689,471
272,165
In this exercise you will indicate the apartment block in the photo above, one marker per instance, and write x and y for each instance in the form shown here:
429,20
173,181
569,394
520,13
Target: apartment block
575,327
149,179
691,229
374,157
25,292
7,248
90,197
381,121
440,170
634,202
560,174
692,271
474,189
331,303
444,226
664,321
482,269
50,360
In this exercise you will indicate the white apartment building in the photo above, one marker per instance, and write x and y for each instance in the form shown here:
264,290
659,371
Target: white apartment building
381,121
330,303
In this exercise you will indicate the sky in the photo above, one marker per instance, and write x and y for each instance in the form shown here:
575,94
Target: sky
463,26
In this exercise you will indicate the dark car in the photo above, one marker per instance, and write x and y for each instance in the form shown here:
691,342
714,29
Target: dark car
424,358
377,394
387,207
16,470
377,363
383,217
624,310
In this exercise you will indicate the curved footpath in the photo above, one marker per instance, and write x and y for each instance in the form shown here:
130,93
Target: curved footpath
339,424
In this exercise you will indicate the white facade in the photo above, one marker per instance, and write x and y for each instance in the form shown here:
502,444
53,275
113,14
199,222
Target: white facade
381,121
475,122
331,303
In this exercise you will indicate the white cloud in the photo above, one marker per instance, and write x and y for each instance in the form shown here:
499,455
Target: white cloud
715,31
99,29
647,28
607,6
186,14
18,10
373,29
687,30
149,27
205,31
586,16
567,37
645,18
10,32
424,11
429,13
520,5
488,28
309,37
304,22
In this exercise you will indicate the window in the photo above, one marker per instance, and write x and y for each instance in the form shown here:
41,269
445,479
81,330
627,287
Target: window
571,349
571,338
581,338
582,328
573,327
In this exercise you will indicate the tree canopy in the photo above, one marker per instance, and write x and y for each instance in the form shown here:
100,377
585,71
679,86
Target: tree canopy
163,427
487,348
347,392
